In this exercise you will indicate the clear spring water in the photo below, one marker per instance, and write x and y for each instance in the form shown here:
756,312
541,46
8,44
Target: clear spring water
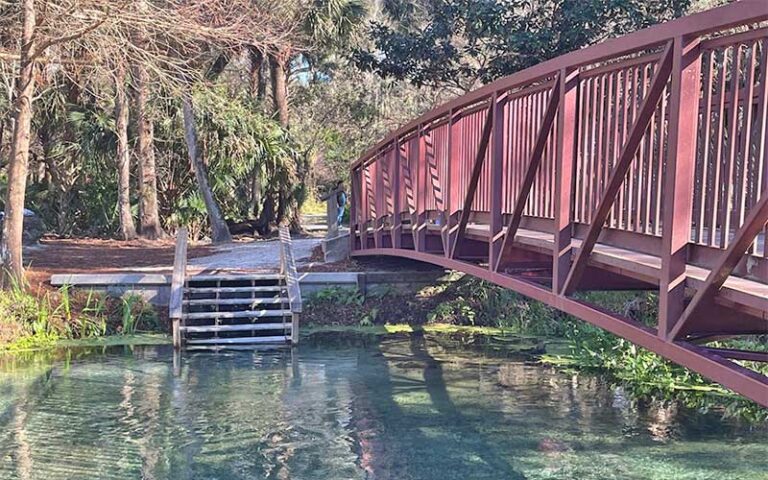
401,409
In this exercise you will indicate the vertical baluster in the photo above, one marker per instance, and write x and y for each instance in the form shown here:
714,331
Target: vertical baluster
746,132
733,126
592,161
603,103
717,217
644,159
705,155
761,152
615,129
650,170
638,164
663,129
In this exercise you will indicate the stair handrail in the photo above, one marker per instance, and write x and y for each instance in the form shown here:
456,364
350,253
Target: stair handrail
175,303
288,270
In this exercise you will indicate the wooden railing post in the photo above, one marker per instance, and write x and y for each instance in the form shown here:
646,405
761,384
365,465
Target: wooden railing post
565,164
495,238
679,180
176,301
288,268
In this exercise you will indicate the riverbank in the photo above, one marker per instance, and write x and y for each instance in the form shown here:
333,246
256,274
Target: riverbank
463,310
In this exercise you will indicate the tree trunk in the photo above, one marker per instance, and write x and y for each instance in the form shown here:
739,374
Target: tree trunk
255,194
278,66
279,73
13,224
149,217
267,215
127,226
220,231
256,79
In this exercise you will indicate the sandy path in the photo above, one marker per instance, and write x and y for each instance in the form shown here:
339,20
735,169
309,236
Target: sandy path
253,256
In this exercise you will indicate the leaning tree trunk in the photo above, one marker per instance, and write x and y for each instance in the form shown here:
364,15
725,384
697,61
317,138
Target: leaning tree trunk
127,226
149,216
13,224
220,231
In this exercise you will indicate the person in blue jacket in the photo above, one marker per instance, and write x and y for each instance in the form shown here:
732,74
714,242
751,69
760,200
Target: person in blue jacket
341,201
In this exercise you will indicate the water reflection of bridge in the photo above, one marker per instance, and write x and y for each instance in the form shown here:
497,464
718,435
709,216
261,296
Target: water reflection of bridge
637,163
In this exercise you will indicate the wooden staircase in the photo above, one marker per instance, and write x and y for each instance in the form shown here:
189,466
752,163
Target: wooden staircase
236,310
231,309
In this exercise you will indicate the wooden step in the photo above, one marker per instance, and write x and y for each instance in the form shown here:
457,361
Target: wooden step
235,277
270,288
245,314
235,328
247,347
237,301
240,340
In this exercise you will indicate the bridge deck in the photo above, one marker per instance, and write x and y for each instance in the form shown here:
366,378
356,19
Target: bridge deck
748,293
637,163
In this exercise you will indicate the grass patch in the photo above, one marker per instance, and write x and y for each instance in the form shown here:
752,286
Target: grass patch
30,321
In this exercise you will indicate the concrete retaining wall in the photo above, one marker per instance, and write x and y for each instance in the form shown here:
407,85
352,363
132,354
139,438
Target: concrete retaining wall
156,288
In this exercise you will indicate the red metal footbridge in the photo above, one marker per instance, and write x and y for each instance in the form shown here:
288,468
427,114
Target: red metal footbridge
637,163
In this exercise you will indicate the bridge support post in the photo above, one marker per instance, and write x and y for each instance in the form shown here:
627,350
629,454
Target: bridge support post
365,206
495,237
380,196
397,220
452,196
353,221
679,180
567,128
420,226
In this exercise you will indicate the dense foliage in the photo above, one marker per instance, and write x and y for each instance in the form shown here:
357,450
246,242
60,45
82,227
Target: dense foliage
463,43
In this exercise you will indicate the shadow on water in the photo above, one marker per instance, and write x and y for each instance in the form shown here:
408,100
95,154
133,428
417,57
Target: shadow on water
408,408
410,429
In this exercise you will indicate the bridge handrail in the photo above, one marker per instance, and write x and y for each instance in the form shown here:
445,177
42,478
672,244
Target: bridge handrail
742,12
656,109
175,304
288,268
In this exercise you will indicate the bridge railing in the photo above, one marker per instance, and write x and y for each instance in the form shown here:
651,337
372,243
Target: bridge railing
656,141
